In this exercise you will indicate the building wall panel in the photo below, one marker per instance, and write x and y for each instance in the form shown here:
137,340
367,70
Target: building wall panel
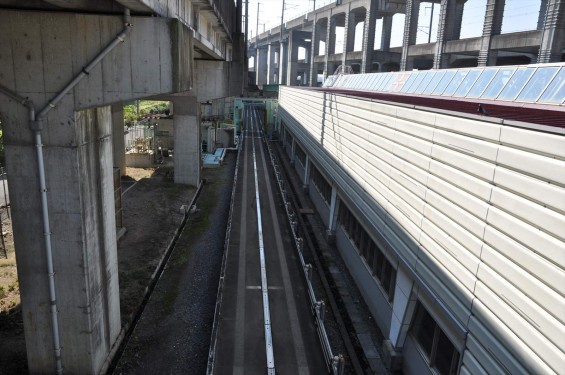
542,192
472,208
545,298
537,266
541,167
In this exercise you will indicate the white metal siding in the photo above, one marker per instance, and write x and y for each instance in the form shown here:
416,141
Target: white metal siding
474,209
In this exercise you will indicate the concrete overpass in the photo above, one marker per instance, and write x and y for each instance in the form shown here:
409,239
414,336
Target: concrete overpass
544,44
65,69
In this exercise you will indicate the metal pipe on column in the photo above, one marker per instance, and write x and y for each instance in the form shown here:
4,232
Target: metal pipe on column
36,124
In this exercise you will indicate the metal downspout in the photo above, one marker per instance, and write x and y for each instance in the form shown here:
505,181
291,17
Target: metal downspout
36,124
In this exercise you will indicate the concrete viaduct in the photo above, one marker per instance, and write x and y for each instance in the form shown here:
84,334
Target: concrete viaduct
276,58
66,67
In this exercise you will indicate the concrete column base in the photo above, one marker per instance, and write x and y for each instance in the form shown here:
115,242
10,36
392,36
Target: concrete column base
392,358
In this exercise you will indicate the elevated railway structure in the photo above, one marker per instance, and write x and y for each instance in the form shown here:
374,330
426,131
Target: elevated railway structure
448,208
276,57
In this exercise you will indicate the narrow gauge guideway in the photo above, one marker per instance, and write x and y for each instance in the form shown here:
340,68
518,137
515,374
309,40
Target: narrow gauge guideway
242,335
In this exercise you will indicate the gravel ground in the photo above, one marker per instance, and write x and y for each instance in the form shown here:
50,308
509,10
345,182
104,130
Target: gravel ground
173,334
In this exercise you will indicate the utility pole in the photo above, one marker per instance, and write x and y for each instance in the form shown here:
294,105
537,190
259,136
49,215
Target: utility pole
282,19
281,48
257,29
246,23
314,8
246,50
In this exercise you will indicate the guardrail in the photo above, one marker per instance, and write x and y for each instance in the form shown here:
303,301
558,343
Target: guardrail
335,363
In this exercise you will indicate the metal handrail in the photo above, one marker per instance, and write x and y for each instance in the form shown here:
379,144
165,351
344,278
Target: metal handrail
335,363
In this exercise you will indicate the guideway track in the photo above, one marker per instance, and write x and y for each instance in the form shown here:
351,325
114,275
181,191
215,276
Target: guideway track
263,291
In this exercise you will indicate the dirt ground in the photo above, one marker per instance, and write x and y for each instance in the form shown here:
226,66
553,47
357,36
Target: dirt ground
151,214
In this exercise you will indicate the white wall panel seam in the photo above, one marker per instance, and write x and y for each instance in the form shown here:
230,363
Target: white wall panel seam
539,268
528,309
523,331
512,346
522,280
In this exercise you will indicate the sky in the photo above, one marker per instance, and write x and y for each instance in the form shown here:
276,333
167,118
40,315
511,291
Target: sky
519,15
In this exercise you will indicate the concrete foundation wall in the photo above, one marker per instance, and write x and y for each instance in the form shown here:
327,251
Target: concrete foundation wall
135,160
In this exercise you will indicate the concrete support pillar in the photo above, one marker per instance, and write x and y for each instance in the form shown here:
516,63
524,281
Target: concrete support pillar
292,64
553,33
402,308
334,212
283,66
261,69
271,63
314,50
330,46
80,195
492,25
446,31
387,29
542,13
369,36
306,179
118,141
296,39
292,151
459,9
186,158
77,149
402,312
410,30
349,35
